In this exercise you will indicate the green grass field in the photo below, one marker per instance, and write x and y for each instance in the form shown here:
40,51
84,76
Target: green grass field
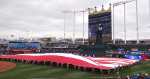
30,71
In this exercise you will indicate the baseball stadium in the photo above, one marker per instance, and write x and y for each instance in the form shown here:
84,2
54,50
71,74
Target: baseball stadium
99,56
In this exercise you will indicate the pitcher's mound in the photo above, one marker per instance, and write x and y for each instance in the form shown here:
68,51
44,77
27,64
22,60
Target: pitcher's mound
5,66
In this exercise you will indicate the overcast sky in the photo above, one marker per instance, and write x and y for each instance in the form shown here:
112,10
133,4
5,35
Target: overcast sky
39,18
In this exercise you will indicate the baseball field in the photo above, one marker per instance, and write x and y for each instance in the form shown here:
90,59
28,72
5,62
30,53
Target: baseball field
33,71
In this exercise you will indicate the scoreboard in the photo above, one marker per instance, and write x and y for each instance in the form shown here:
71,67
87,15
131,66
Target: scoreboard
103,20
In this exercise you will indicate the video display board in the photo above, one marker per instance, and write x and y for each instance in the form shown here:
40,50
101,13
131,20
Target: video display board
100,20
24,45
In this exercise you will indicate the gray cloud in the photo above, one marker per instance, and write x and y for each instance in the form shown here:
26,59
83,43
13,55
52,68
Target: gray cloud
45,17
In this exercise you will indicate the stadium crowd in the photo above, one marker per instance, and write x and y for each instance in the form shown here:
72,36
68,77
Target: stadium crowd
138,76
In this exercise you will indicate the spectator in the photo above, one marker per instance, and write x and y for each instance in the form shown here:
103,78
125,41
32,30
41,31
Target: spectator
147,76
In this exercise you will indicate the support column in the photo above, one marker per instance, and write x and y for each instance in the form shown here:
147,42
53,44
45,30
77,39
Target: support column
113,23
83,26
125,40
137,22
74,25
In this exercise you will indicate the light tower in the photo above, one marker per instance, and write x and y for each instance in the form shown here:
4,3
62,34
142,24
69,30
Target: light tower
83,22
74,23
74,12
137,22
149,7
125,32
113,24
64,13
137,28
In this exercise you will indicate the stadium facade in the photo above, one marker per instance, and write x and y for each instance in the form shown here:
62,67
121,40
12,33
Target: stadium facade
99,25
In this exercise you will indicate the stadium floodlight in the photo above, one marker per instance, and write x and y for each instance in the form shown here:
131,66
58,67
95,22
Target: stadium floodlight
125,32
64,24
149,7
124,3
74,21
74,15
83,16
137,20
